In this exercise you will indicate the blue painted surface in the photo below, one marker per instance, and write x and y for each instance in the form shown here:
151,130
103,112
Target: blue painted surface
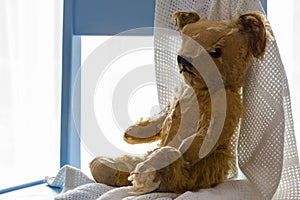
264,3
18,187
109,17
70,140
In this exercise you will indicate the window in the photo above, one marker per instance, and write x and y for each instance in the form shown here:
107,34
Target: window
116,107
30,85
283,18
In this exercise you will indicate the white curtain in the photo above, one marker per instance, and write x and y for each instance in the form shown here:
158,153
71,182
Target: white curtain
284,18
30,78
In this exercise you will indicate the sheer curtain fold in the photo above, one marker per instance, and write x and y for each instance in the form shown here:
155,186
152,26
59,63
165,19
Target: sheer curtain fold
30,38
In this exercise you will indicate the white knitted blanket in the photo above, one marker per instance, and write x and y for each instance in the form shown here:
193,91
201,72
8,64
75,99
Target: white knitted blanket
76,185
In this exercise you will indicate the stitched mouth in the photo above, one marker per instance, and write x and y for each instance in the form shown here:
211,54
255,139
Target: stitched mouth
185,65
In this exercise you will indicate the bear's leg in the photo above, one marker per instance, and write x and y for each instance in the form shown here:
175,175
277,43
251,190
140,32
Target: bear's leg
212,169
164,170
113,171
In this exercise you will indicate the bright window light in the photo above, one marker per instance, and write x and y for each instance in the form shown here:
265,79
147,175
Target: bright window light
30,87
117,107
283,17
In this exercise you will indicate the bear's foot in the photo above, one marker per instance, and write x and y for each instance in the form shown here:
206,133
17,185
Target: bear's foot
113,172
154,173
143,179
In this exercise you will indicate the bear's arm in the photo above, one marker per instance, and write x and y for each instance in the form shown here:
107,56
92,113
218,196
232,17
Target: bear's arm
146,131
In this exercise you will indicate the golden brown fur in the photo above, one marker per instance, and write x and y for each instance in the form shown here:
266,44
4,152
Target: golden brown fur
232,45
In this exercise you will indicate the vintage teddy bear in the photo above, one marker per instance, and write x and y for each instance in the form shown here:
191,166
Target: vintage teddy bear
175,166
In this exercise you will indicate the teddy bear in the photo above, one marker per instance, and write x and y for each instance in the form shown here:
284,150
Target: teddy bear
181,128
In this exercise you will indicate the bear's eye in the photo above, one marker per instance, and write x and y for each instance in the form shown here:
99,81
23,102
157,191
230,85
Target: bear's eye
217,53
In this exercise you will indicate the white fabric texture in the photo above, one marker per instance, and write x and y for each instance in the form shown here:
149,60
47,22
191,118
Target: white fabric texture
68,178
267,152
77,186
88,191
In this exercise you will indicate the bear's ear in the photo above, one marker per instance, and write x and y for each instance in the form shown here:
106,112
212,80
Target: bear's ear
183,18
255,25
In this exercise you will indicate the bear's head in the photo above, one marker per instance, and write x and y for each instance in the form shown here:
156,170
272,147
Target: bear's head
231,44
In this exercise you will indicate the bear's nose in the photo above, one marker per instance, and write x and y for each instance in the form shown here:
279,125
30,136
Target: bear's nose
185,61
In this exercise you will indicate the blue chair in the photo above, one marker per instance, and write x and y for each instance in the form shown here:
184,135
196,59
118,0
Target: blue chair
93,17
82,17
